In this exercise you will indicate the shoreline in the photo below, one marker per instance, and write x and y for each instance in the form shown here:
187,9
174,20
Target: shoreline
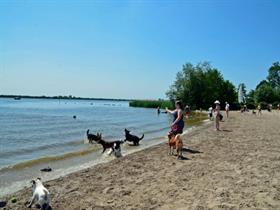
237,168
56,174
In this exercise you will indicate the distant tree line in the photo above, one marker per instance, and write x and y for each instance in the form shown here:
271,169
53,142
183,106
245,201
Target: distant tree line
70,97
198,86
268,90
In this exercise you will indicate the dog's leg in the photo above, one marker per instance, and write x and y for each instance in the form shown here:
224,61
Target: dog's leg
169,150
31,201
104,149
111,151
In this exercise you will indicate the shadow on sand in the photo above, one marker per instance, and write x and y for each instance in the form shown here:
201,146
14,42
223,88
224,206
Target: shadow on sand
191,151
226,130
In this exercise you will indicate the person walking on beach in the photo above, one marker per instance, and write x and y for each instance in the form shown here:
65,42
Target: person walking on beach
187,111
227,109
217,114
210,113
259,109
178,123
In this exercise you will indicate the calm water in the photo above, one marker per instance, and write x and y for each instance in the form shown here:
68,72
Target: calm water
39,130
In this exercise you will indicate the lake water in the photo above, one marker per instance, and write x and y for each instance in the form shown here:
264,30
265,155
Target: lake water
36,133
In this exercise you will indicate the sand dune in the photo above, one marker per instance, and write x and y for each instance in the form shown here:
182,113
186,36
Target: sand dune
237,168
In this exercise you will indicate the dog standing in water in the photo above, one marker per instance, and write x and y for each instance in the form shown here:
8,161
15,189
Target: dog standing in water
175,142
41,195
92,137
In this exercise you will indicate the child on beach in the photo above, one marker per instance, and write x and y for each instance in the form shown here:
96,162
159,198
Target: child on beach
217,115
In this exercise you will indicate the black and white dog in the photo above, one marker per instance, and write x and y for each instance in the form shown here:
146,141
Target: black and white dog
41,196
116,149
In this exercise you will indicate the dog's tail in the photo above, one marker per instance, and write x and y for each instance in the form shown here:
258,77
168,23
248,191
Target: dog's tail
142,137
178,137
87,132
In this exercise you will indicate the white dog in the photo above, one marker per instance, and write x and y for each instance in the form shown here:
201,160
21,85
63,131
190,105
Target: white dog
41,195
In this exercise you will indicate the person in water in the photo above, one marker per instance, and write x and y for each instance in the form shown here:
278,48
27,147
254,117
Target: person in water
178,123
158,110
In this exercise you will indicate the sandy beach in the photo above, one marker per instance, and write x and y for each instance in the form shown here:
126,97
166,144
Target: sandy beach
236,168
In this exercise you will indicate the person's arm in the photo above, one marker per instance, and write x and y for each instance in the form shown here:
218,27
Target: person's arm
169,111
180,113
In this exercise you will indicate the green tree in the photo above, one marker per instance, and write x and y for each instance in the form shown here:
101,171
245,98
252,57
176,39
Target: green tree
274,75
265,93
199,86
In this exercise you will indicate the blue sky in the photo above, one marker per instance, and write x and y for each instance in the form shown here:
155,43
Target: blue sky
131,49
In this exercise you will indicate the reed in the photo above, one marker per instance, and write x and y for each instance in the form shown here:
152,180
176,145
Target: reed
151,104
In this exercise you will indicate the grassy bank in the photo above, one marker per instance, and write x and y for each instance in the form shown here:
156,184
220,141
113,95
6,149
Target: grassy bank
151,103
195,118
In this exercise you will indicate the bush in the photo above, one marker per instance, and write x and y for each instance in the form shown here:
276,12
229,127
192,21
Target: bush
251,106
263,105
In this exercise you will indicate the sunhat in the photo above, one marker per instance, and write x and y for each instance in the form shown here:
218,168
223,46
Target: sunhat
217,102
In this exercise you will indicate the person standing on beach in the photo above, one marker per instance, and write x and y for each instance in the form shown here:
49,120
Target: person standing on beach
227,109
259,109
217,114
178,123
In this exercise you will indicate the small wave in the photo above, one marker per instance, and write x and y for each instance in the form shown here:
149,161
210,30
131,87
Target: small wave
48,159
21,151
156,130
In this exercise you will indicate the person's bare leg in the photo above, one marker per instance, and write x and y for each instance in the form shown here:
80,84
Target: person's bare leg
217,123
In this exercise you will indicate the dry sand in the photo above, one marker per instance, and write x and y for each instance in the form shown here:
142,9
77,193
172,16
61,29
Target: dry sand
237,168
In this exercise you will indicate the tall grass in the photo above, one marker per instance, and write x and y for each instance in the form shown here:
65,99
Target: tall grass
151,103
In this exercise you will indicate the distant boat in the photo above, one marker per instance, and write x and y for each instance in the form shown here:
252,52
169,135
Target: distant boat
17,98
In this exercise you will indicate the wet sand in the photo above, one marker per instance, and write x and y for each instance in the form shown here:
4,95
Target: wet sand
237,168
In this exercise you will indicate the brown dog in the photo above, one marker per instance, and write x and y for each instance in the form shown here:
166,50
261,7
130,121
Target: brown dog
175,142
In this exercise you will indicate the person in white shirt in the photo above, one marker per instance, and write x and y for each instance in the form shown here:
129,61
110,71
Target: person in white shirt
210,113
227,109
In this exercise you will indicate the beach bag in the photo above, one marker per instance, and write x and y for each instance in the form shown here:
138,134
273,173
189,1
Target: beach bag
221,117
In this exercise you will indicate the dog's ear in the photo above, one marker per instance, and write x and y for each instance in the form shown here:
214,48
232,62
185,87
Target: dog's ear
39,178
32,181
